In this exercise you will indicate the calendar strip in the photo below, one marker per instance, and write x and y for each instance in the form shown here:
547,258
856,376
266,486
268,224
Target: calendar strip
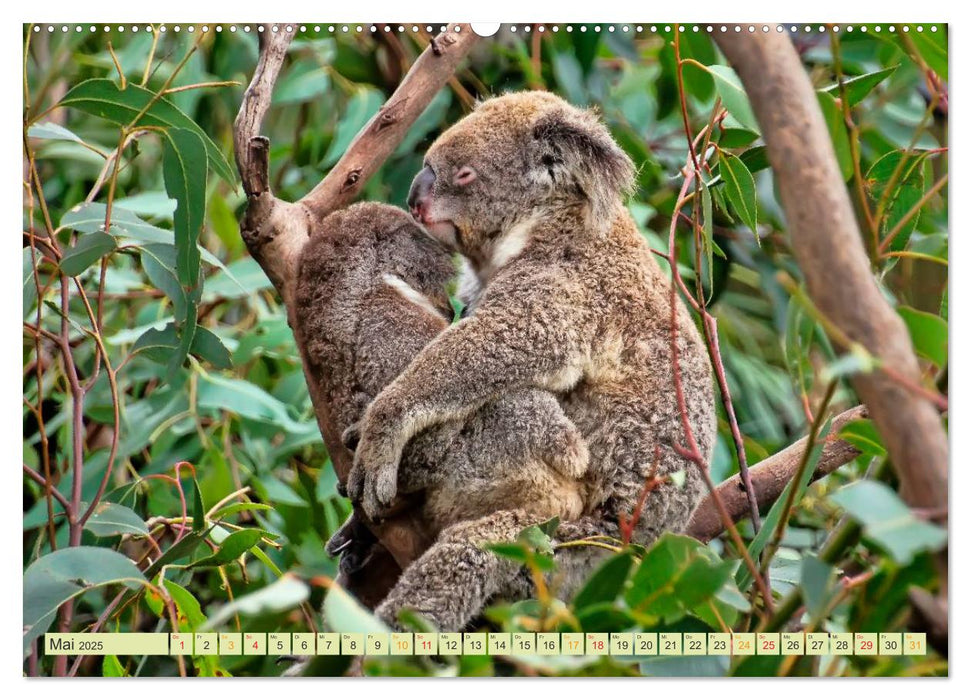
622,644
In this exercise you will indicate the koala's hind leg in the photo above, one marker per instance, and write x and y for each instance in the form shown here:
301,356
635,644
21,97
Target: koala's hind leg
451,582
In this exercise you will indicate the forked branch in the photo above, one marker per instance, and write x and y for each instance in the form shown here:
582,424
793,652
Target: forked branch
275,231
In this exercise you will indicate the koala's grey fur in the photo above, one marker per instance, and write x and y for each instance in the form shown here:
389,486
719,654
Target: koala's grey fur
371,293
573,303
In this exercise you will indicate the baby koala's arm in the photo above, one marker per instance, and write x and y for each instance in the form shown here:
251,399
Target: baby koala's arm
537,338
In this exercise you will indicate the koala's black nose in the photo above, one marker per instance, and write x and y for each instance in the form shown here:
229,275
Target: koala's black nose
420,187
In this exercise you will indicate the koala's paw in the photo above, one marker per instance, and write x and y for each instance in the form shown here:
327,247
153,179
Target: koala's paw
568,454
373,481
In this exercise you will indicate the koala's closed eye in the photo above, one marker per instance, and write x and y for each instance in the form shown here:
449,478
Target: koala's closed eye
465,176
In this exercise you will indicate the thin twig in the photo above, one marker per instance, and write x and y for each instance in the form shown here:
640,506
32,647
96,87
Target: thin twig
692,452
709,324
790,502
48,488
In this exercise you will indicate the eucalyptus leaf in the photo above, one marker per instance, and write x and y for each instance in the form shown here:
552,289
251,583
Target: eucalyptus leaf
838,134
888,521
606,583
815,579
65,574
733,96
282,595
50,130
184,172
676,574
739,189
859,86
208,346
157,344
928,332
109,519
342,613
141,107
247,399
89,249
736,137
230,550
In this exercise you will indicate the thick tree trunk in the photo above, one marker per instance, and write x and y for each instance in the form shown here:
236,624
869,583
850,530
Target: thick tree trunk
829,248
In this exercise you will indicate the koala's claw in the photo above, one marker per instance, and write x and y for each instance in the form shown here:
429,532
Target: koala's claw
570,455
348,534
351,436
355,482
380,489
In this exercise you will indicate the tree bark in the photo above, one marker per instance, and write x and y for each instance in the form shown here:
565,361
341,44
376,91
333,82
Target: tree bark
829,249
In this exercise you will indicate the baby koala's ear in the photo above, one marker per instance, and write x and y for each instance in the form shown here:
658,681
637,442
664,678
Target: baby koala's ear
572,146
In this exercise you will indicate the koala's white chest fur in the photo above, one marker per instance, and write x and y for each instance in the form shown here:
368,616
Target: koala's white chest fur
511,244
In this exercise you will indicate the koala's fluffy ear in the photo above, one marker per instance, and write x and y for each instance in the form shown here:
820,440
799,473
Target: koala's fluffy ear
573,146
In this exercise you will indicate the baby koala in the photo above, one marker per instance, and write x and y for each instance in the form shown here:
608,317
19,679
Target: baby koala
371,294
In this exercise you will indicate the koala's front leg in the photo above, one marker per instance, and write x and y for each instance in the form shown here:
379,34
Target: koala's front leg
385,430
501,348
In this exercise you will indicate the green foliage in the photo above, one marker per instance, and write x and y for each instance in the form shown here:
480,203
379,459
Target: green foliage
210,492
888,522
739,189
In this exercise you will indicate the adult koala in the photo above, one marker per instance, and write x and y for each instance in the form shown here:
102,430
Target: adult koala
530,190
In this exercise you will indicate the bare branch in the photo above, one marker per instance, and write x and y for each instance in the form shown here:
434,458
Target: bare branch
829,248
378,139
769,478
276,231
253,168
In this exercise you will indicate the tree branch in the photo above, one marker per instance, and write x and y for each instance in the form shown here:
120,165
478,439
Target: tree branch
380,136
829,249
770,477
276,231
